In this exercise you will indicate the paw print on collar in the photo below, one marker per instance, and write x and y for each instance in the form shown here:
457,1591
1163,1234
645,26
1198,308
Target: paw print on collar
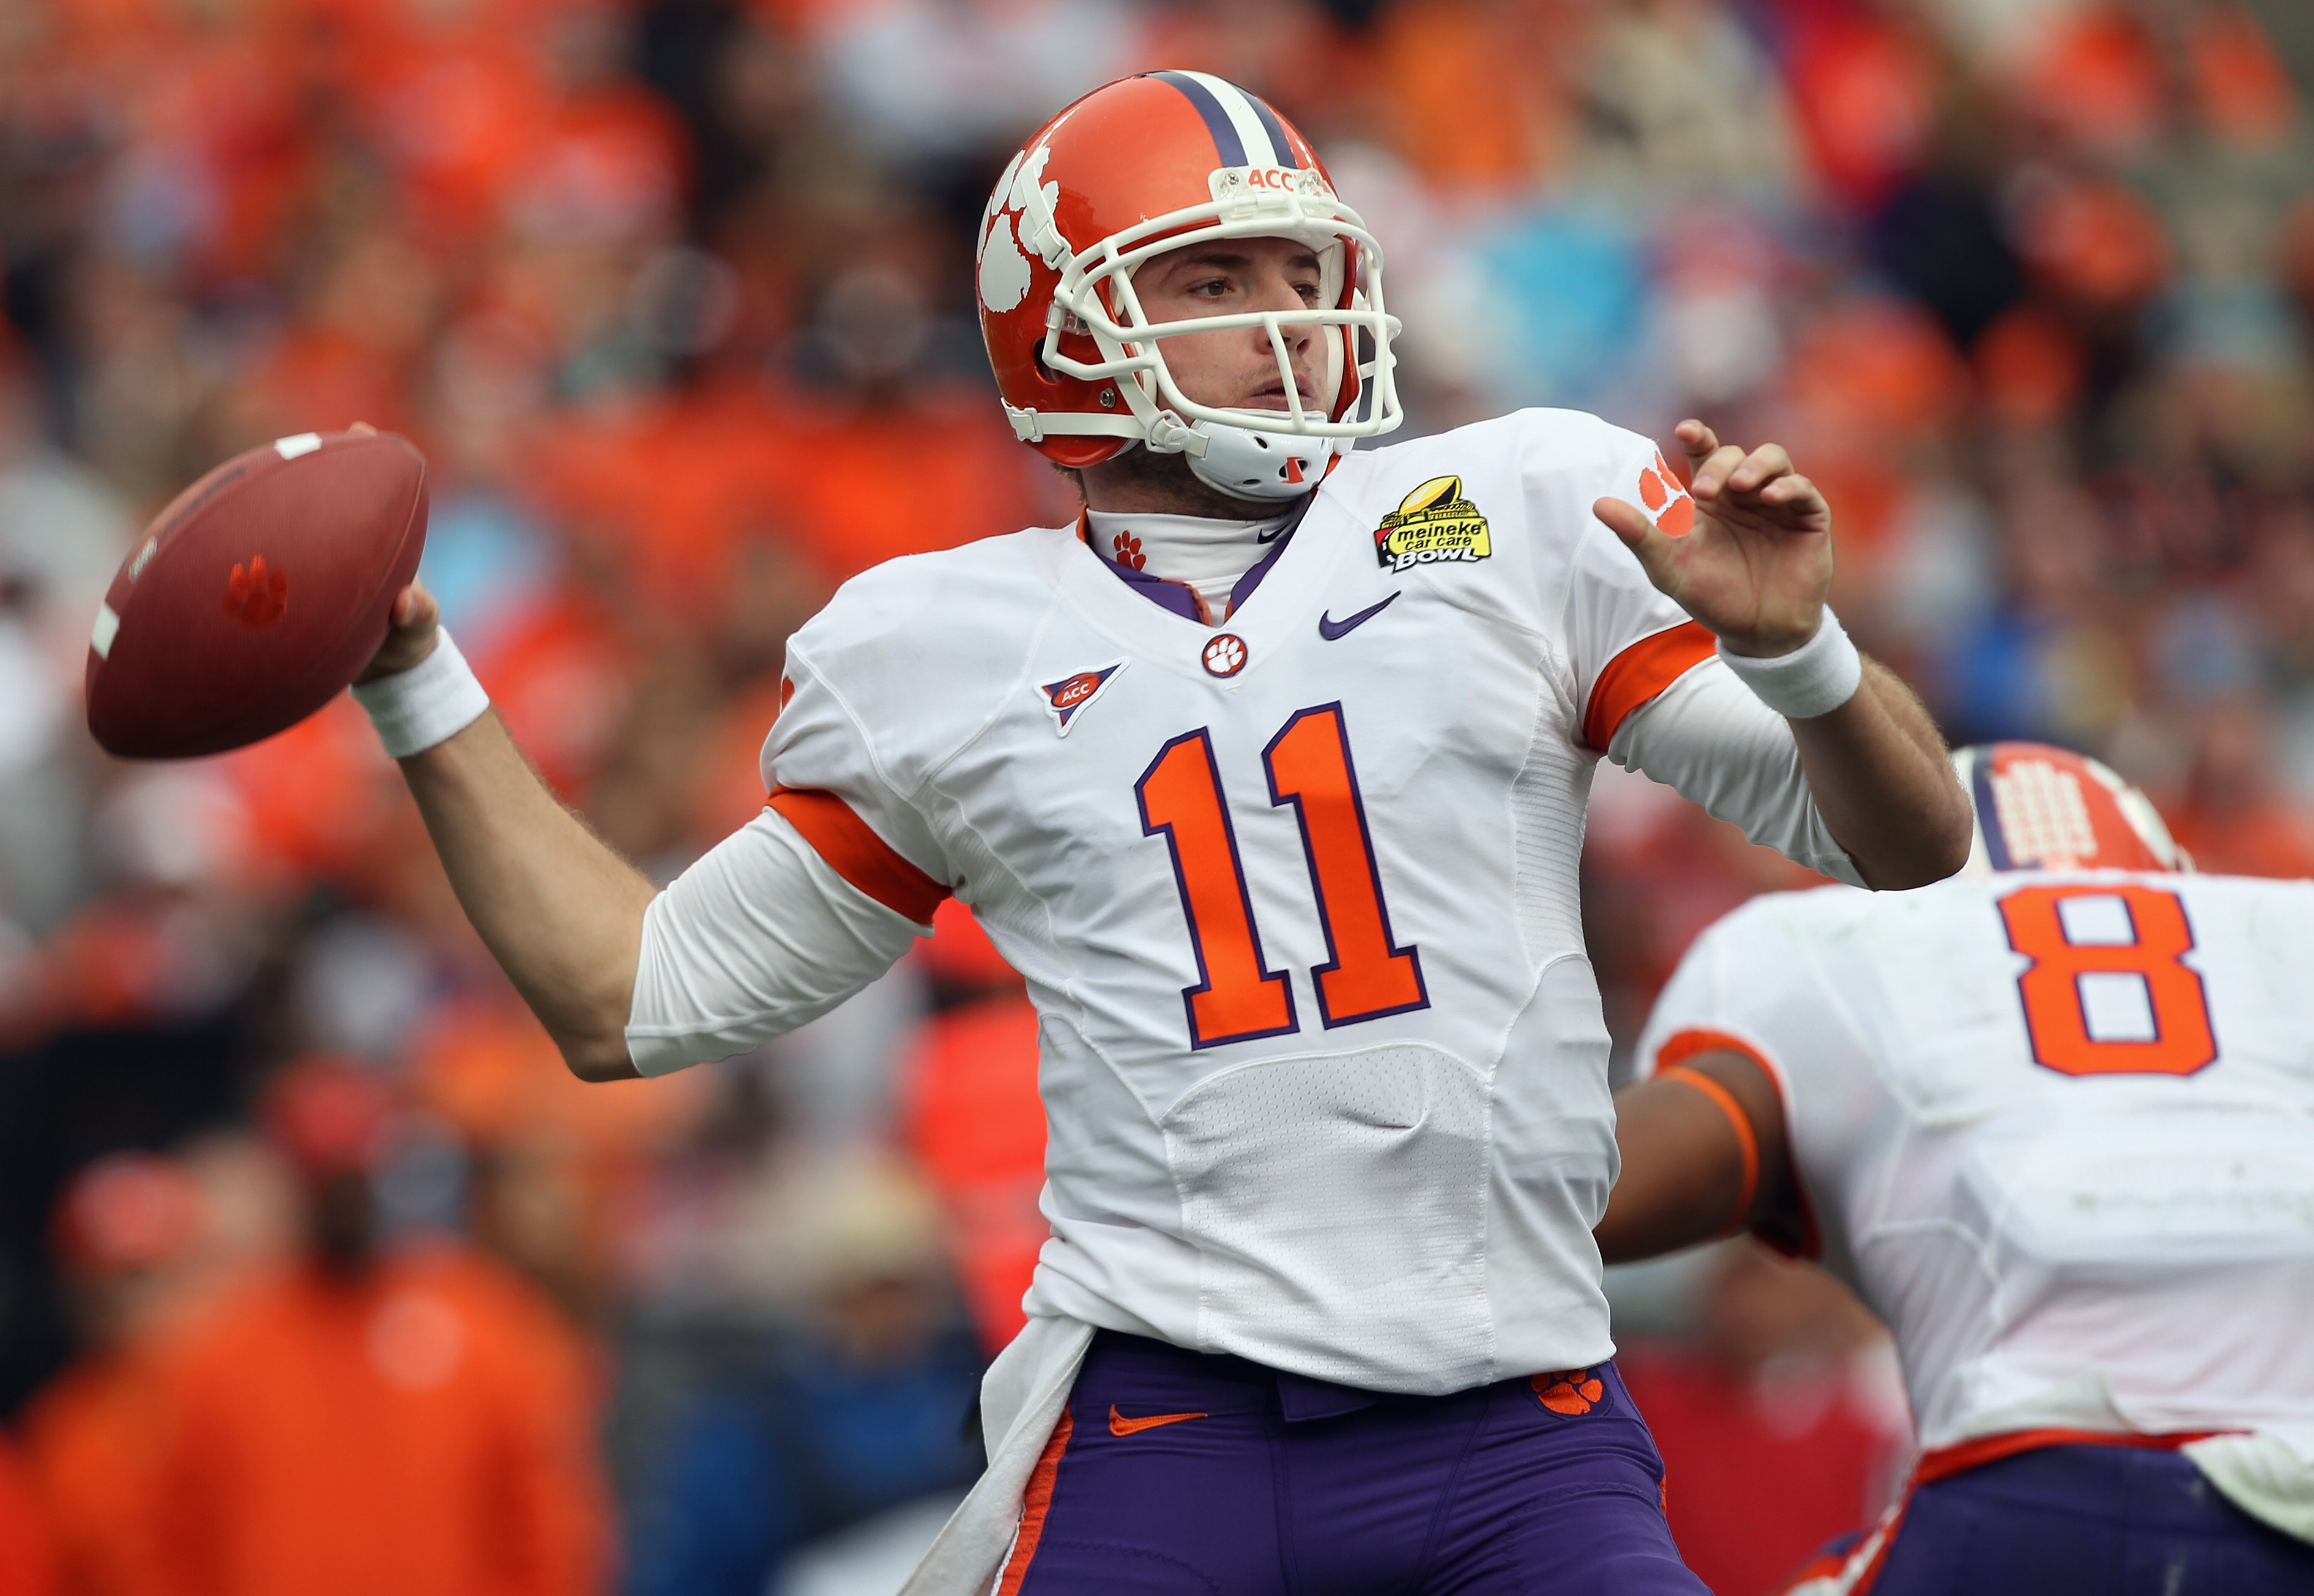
1128,550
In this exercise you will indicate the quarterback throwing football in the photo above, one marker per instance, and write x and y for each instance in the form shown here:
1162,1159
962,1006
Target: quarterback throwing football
1269,774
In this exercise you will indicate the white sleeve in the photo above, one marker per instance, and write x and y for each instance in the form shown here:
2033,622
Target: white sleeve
1624,635
753,940
1709,737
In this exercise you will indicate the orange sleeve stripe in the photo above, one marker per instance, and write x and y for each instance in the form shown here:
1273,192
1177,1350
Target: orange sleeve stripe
1682,1046
854,852
1035,1506
1745,1139
1637,674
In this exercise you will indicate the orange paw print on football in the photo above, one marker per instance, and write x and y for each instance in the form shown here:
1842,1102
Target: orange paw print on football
256,596
1570,1391
1128,550
1666,500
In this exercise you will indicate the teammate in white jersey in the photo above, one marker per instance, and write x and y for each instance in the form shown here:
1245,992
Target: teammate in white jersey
1268,773
2054,1122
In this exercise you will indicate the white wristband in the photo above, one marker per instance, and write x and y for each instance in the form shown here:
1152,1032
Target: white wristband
1814,679
431,702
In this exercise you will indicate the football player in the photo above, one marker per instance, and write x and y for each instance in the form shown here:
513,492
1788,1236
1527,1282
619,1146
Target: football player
2054,1122
1269,774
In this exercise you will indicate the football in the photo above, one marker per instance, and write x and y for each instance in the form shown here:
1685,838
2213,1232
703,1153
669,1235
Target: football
256,595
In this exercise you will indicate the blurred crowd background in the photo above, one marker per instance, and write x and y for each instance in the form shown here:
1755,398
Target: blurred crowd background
318,1274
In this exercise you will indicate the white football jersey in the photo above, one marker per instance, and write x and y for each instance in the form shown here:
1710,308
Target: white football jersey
2056,1129
1294,894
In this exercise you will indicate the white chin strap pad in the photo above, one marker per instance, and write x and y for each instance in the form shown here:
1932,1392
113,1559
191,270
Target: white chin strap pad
1261,465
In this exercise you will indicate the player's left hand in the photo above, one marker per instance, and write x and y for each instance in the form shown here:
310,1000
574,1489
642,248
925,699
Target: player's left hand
1756,565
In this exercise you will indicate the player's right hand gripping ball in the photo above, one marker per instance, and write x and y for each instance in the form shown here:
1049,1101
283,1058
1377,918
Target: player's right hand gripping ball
257,595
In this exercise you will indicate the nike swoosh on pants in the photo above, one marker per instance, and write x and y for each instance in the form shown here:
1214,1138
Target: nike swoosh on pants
1118,1424
1331,629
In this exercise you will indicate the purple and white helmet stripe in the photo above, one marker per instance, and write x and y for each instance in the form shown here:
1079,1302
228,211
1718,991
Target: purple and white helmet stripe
1246,132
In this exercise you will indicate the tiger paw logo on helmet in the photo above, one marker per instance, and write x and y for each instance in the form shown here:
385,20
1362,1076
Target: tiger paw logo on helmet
1022,211
1434,523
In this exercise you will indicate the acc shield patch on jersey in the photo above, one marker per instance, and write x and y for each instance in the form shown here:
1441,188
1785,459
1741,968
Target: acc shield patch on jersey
1433,523
1065,698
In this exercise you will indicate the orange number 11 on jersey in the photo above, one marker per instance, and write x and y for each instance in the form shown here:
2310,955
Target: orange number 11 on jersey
1238,998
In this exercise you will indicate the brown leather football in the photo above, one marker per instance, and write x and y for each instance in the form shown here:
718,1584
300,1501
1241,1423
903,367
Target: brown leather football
257,595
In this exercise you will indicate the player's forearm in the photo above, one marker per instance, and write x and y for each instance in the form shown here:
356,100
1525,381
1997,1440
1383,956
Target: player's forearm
1877,770
1682,1175
1689,1172
560,911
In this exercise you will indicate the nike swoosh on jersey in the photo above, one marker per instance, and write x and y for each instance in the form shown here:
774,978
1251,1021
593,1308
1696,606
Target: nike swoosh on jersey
1331,629
1118,1424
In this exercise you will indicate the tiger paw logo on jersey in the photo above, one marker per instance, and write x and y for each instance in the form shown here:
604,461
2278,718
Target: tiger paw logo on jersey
1433,523
1570,1392
1066,699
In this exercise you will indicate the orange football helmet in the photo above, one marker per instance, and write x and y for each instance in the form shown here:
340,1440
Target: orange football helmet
2040,808
1142,166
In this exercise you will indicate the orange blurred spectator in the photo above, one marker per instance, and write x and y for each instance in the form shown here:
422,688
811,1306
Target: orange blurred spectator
123,1229
314,798
453,100
608,163
1866,91
556,1160
374,1420
973,1121
2236,819
2029,368
2097,77
2092,240
351,354
1870,376
872,484
483,1062
558,674
27,1558
2240,85
729,790
1474,101
670,486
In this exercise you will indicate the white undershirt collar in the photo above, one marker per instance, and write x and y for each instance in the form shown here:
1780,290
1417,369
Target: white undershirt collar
1209,556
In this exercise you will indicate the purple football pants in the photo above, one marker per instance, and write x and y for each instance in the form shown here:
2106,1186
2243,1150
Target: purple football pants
1180,1472
2088,1521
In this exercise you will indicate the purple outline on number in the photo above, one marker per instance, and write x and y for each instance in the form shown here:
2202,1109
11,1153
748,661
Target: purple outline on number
1317,888
1188,911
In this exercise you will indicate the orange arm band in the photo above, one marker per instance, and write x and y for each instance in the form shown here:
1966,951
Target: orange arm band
1741,1123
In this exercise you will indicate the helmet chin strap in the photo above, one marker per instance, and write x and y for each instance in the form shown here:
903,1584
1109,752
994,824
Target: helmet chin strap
1264,467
